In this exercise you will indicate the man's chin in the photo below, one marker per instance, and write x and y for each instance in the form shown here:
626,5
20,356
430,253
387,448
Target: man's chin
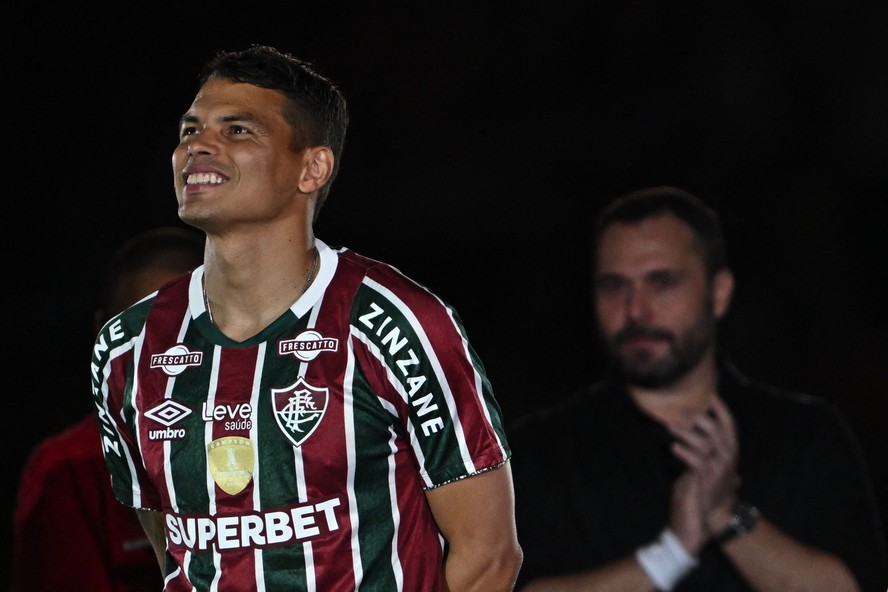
642,359
650,375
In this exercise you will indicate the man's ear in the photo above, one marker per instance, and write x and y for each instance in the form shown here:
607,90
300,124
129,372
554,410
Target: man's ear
722,290
317,169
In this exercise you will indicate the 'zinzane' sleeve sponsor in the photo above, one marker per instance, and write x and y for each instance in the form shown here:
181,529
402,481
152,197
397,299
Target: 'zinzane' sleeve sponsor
424,367
112,374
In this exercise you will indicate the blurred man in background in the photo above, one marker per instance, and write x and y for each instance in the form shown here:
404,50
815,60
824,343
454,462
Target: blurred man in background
676,472
70,531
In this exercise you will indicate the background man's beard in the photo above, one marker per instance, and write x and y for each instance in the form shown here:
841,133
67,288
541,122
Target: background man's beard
641,369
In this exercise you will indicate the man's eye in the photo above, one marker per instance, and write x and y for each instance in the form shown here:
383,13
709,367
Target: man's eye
237,130
665,280
187,131
608,285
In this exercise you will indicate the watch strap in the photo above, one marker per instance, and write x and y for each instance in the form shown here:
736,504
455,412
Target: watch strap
743,518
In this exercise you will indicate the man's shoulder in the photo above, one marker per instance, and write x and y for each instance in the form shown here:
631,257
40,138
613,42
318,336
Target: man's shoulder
55,454
768,393
574,409
373,279
354,264
757,401
76,439
173,293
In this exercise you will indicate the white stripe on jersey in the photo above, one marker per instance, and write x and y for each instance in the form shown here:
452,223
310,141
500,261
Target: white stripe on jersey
212,389
436,365
254,405
396,384
348,417
396,514
479,389
106,371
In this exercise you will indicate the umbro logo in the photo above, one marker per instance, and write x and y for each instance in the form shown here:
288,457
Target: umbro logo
167,414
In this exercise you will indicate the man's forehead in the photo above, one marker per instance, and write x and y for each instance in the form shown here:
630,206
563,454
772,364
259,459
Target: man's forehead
218,96
662,241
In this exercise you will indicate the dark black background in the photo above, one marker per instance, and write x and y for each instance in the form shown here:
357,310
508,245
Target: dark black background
484,138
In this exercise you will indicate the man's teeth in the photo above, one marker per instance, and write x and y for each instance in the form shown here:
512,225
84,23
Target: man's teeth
204,178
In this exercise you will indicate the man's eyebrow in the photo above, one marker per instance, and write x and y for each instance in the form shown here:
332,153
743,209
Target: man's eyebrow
606,276
661,272
187,119
244,117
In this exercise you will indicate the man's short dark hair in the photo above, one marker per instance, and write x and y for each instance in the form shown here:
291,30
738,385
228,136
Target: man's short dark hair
654,201
319,116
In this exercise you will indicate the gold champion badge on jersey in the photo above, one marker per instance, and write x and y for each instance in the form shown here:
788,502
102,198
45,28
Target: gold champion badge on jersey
231,461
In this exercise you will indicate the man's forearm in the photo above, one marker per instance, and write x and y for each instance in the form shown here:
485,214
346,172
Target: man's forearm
624,575
771,561
482,571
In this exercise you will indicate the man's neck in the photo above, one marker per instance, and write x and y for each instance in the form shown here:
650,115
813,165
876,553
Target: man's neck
250,283
683,400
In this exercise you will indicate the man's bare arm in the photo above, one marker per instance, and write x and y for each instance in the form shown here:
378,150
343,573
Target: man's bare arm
770,560
624,575
476,515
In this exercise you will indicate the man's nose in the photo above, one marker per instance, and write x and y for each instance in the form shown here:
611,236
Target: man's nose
203,143
637,305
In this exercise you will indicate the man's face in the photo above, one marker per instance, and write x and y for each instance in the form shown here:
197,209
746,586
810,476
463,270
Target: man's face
656,309
234,164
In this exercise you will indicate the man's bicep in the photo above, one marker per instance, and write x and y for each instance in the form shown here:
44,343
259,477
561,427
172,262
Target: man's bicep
457,506
476,516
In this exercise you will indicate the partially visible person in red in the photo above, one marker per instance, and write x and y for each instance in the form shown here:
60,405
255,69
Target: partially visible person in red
70,531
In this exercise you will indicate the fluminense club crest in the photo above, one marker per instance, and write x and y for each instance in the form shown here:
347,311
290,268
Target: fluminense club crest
298,409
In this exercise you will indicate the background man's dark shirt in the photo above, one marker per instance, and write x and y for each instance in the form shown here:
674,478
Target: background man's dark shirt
593,479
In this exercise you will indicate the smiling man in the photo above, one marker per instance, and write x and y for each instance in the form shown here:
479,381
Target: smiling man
676,472
296,416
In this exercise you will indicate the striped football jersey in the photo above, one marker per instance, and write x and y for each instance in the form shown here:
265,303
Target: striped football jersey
299,458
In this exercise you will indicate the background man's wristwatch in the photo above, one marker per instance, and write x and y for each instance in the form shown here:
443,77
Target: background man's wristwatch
743,518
